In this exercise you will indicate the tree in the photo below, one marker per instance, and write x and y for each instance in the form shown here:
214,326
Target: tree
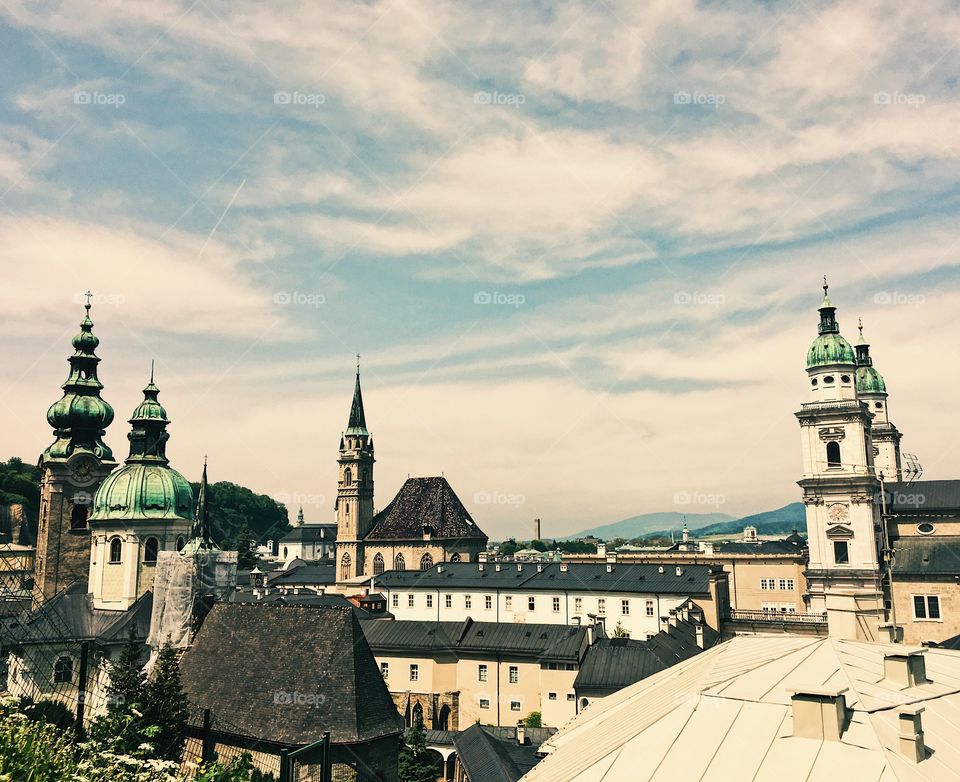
165,706
123,729
620,631
233,508
127,678
533,720
246,556
538,545
417,763
509,547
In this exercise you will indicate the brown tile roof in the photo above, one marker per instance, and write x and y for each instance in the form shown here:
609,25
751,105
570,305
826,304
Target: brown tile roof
425,503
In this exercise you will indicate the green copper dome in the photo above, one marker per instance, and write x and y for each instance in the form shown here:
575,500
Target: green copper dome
829,347
146,488
80,417
869,381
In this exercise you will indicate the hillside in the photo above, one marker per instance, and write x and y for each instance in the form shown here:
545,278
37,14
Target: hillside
647,523
781,521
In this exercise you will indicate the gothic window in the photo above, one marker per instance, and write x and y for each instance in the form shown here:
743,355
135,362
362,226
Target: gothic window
78,516
150,549
443,719
378,564
63,670
345,567
116,549
180,542
833,454
398,563
347,477
417,711
426,562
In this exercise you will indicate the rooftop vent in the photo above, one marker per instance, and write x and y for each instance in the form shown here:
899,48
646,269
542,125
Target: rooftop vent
609,568
498,567
660,569
679,571
481,567
819,713
539,568
906,668
564,567
911,733
439,568
519,568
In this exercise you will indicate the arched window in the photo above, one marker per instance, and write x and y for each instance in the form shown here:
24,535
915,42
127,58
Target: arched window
116,549
364,476
347,477
455,558
150,549
417,715
398,563
345,567
833,454
180,543
443,718
378,564
63,670
426,562
78,516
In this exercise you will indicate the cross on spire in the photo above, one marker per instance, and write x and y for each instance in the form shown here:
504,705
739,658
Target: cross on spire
89,296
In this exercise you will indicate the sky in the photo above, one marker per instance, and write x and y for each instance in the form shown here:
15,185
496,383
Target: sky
579,246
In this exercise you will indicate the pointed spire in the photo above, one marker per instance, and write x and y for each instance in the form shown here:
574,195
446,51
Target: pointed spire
863,348
201,524
357,424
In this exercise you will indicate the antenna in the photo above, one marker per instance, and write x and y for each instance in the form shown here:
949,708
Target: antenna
912,469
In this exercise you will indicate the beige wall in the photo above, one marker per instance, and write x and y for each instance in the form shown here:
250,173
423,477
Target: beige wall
916,631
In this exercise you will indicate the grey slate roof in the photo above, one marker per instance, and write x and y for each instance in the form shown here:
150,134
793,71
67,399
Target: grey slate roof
624,577
934,555
320,574
539,641
248,660
311,533
304,598
425,502
487,757
762,547
923,497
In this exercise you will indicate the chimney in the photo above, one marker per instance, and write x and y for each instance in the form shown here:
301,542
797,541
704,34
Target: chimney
672,618
481,567
601,549
564,567
907,668
498,567
536,529
911,733
665,624
698,629
521,731
679,571
440,568
609,567
819,713
519,568
612,556
539,568
482,557
660,569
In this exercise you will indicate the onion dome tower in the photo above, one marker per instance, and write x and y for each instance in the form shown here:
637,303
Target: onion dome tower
872,389
71,469
141,509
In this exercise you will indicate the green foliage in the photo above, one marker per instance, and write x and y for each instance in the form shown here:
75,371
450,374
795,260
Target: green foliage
509,547
47,711
575,546
417,763
20,484
234,508
240,769
165,706
620,631
127,679
538,545
246,556
533,720
124,729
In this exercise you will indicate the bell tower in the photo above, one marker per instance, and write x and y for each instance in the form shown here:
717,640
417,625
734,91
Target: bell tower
72,468
354,489
839,488
872,389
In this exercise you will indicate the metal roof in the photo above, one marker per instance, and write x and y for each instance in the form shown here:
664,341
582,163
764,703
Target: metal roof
726,714
311,533
934,555
923,497
487,757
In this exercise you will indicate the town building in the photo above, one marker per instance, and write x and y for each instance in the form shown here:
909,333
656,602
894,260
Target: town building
308,541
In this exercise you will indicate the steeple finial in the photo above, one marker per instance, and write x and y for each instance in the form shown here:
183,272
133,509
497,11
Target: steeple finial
825,285
358,363
201,524
89,296
151,383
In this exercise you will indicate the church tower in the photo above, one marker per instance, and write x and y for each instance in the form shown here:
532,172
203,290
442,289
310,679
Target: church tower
872,390
839,488
72,469
354,489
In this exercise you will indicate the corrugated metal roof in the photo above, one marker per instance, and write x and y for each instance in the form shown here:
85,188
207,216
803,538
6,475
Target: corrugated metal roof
726,714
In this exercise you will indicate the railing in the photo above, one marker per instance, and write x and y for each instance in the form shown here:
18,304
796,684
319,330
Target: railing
779,617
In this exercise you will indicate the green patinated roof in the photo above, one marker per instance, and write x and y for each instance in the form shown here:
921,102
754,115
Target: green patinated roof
869,381
830,348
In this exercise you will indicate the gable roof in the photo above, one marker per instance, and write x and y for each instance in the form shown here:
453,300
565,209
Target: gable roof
488,757
246,654
425,502
311,533
726,714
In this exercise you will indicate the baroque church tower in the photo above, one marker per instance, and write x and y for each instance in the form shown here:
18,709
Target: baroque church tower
71,470
354,490
886,437
840,487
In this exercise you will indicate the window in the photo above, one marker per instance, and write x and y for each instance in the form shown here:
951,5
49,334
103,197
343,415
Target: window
429,601
508,602
488,602
878,405
468,601
551,696
385,670
63,670
925,528
844,378
398,563
649,608
766,583
532,603
786,583
514,705
348,477
625,607
78,516
926,607
378,564
395,600
601,605
180,542
578,605
410,601
345,563
426,562
828,379
556,604
285,552
833,454
150,549
484,703
116,548
481,673
414,672
571,696
841,552
513,674
448,601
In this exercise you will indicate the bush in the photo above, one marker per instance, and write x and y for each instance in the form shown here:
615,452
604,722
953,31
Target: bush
533,720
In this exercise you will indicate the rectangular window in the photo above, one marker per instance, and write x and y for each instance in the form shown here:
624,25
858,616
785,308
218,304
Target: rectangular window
429,601
448,601
765,583
532,603
601,605
625,607
649,608
926,607
385,670
484,703
841,552
514,705
395,599
508,602
488,602
481,673
410,601
556,604
468,601
414,672
551,696
570,696
578,605
514,674
790,584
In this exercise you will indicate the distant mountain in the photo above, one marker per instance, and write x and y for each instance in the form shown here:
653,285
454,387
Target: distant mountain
781,521
646,523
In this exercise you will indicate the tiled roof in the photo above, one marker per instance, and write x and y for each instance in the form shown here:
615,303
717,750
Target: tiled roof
287,674
934,555
311,533
726,714
320,574
923,497
490,758
425,503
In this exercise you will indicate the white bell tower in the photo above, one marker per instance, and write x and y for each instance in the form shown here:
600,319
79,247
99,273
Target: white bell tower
840,488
